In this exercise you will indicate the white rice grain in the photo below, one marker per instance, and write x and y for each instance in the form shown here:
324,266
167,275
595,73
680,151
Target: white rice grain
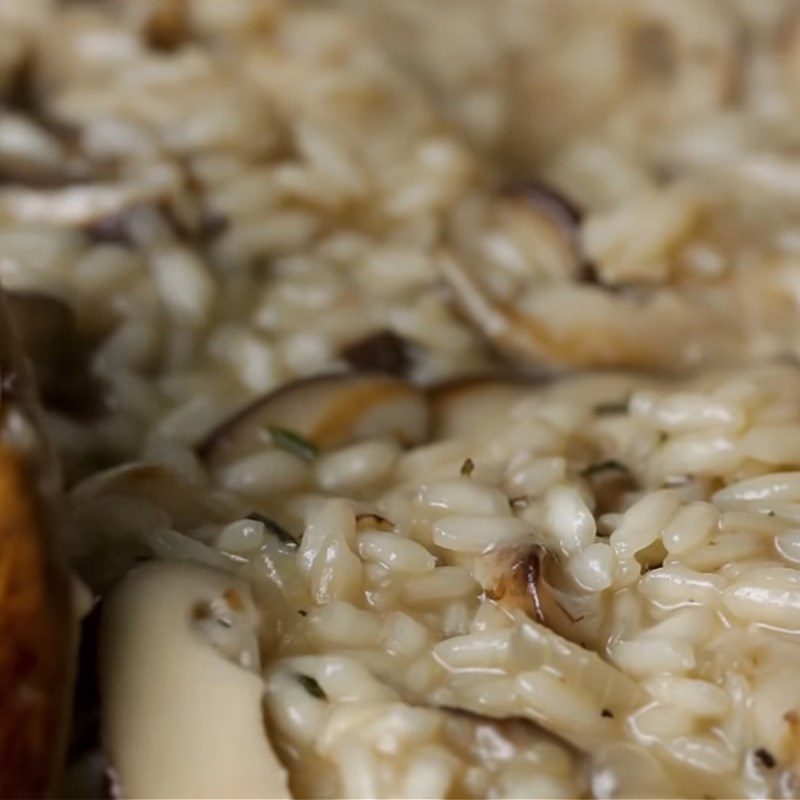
269,472
646,657
643,523
357,466
689,528
477,534
442,583
395,552
594,567
674,586
568,520
770,596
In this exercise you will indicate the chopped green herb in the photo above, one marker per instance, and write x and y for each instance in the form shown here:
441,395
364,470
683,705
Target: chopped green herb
312,686
467,467
293,443
614,407
602,466
273,527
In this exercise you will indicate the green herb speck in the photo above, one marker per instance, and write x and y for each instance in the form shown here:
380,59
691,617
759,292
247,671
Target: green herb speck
293,443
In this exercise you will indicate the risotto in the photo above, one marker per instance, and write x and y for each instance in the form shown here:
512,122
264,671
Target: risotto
423,376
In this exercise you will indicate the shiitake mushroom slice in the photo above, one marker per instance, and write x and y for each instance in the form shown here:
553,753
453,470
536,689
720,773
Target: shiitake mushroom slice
322,412
38,625
49,336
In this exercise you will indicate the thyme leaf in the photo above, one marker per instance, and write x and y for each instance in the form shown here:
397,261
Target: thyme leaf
292,442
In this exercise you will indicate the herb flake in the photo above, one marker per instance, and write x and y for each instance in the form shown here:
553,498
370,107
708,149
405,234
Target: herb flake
467,468
292,442
311,685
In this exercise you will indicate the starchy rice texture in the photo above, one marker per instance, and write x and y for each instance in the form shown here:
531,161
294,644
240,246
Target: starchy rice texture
440,631
232,195
524,586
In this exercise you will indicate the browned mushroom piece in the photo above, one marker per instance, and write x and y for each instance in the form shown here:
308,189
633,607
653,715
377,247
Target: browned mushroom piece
574,324
611,482
547,220
326,411
36,616
49,337
517,269
187,503
460,405
165,23
383,351
532,580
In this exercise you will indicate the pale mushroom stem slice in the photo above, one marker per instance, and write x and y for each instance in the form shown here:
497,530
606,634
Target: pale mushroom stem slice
37,624
180,717
327,411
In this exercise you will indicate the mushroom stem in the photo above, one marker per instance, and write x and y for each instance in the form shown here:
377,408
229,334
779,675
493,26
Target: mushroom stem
180,718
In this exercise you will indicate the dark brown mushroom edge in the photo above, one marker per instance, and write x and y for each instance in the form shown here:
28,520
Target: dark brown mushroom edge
38,625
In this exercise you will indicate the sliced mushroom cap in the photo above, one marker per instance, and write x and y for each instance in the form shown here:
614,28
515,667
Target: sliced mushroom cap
182,717
187,503
460,406
545,223
532,580
36,645
37,623
49,336
383,351
576,324
327,411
